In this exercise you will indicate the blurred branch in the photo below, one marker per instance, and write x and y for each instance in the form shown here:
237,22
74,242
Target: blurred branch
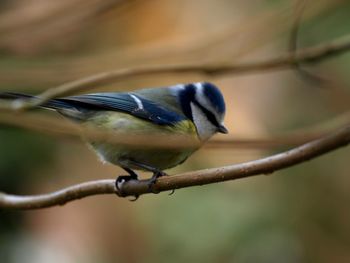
267,165
230,43
38,25
266,143
307,55
67,130
293,45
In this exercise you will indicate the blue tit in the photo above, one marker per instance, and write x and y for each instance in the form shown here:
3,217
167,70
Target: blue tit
196,110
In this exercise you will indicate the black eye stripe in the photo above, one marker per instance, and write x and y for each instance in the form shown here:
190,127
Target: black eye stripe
186,97
210,116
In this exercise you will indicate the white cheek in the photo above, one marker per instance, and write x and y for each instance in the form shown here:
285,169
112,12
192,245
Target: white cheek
204,127
201,98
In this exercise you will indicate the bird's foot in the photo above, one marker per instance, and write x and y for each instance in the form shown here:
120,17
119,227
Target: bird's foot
123,179
153,180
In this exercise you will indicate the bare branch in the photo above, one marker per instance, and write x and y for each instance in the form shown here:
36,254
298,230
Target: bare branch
60,197
266,165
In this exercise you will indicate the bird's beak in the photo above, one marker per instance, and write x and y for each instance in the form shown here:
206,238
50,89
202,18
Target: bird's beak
222,129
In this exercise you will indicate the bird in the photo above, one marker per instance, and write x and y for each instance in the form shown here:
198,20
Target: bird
196,110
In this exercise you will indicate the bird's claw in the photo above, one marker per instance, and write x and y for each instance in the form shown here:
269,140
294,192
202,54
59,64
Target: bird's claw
153,181
119,186
135,198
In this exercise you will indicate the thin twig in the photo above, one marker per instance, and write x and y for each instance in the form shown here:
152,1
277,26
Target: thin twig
293,46
266,165
307,55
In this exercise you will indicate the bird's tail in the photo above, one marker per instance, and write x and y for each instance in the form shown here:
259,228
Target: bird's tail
51,104
64,107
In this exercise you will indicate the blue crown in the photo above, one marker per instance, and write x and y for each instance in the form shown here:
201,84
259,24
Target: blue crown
215,97
187,95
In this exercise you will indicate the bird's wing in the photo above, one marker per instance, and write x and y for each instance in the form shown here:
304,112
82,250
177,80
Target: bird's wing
130,103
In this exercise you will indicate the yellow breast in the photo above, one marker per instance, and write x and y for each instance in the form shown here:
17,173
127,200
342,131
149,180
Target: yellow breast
125,123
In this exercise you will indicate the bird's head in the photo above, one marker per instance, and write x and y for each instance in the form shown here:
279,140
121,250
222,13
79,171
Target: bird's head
204,104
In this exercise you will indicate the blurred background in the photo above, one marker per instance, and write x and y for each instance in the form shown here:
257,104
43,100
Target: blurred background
300,214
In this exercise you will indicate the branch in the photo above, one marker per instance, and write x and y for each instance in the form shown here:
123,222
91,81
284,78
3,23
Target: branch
266,165
293,46
307,55
66,130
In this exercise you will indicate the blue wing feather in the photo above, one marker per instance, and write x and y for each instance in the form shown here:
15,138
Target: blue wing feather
124,102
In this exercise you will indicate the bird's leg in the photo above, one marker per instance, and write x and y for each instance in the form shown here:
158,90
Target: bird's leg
156,174
124,178
153,180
